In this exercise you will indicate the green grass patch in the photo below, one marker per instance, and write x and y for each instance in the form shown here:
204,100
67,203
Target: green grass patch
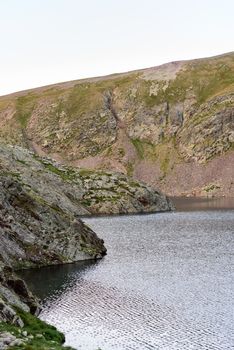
21,161
34,325
67,174
164,165
138,144
130,168
24,108
44,336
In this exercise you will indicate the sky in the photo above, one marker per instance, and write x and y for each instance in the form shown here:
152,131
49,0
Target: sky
49,41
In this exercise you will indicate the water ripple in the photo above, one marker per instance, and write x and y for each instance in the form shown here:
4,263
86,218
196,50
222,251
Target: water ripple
166,284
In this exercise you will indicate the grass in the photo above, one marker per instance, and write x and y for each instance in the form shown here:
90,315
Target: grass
130,168
139,146
211,187
165,152
82,99
4,103
67,174
164,165
204,79
34,325
24,108
85,172
121,83
50,337
16,175
83,126
21,161
86,97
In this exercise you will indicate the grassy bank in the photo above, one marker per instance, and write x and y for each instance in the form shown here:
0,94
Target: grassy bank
34,335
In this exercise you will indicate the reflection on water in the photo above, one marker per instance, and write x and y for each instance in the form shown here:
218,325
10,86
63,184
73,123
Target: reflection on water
196,203
166,283
45,282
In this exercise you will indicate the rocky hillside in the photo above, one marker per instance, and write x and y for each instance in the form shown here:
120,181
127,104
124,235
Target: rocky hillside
41,202
48,192
35,230
171,126
39,225
40,207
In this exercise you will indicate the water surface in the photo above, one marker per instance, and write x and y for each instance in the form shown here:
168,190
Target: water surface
203,203
166,283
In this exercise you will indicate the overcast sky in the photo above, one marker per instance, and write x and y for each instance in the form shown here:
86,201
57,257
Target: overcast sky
48,41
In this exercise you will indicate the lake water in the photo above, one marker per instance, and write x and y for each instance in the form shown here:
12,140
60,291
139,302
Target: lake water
166,284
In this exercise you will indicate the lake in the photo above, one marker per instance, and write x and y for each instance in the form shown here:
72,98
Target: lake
166,283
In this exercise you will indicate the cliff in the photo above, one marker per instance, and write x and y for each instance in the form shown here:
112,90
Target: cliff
34,231
41,203
39,225
170,126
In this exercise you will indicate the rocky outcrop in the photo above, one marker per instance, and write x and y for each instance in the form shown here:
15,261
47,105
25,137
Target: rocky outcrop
14,293
150,124
211,130
40,230
34,232
40,207
49,198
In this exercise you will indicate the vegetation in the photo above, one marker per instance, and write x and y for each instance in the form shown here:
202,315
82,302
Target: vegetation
24,108
205,78
36,334
130,168
211,187
67,174
139,145
75,120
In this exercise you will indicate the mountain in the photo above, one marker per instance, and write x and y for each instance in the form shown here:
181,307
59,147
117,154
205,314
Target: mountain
171,126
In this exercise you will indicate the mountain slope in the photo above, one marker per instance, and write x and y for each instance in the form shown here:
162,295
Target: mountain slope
171,126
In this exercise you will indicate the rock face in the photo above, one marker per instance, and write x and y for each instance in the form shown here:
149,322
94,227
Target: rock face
40,207
39,224
114,193
157,124
35,230
14,292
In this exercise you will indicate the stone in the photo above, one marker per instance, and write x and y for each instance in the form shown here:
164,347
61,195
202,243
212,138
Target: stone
7,314
39,336
6,338
17,342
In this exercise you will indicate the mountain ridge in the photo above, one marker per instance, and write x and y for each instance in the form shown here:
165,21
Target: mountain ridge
160,125
108,76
